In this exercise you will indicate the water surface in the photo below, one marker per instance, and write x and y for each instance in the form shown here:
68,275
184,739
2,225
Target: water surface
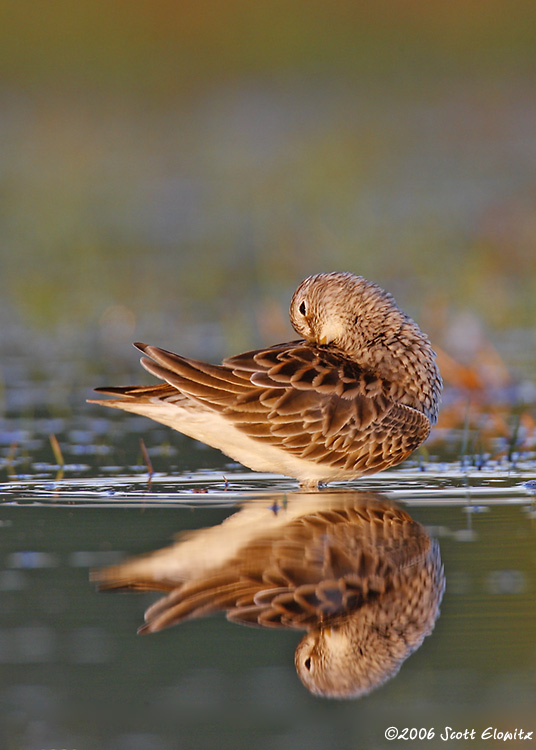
75,674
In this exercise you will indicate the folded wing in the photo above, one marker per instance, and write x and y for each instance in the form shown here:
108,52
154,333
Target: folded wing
299,397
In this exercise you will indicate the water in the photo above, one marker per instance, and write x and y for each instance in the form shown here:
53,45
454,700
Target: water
74,673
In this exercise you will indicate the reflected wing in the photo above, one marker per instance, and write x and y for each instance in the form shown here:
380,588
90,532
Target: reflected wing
331,563
319,568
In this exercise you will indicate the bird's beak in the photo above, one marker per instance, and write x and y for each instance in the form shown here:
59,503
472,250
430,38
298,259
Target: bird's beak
335,637
330,331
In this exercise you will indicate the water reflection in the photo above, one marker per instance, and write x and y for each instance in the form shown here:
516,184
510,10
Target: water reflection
352,569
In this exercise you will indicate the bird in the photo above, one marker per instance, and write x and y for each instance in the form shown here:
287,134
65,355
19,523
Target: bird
356,394
352,569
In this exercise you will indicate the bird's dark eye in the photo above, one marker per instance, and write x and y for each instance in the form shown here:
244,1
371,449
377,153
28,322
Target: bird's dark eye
302,308
307,664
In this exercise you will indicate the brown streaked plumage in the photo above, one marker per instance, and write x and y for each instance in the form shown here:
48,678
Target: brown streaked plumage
356,395
357,573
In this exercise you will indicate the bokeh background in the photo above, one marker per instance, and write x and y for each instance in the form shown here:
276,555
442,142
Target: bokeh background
172,170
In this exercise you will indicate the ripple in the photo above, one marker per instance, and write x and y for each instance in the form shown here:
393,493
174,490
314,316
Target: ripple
450,485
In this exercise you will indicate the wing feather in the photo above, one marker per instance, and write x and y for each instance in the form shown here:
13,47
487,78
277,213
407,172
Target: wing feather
320,567
310,401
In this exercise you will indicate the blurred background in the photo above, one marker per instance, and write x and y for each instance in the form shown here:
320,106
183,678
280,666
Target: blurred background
172,170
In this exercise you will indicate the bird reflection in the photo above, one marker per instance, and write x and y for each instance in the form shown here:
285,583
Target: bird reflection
356,572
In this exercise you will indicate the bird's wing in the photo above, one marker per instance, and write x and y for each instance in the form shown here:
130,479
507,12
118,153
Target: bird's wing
313,403
319,568
329,564
162,392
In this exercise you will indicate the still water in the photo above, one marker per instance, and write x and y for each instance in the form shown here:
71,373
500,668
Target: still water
75,674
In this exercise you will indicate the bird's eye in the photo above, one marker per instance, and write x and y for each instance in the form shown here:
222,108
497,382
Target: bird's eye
302,308
307,664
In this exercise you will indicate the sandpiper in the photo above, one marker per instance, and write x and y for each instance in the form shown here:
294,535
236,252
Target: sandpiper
357,393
